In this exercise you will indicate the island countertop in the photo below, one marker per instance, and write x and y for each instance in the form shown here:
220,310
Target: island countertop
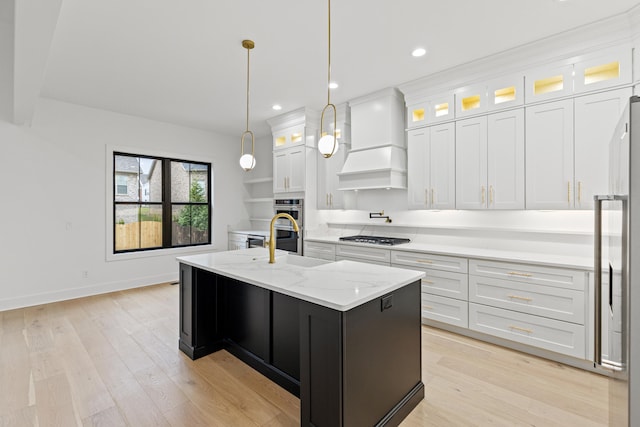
340,285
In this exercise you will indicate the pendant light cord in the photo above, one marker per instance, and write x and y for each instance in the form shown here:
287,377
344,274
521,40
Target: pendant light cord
248,58
329,56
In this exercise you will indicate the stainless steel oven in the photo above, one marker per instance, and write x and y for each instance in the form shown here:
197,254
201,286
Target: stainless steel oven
286,238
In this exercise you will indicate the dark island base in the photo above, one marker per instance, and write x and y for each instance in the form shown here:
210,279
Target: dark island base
361,367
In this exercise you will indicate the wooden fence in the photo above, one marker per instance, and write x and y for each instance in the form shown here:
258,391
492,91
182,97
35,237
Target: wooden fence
145,234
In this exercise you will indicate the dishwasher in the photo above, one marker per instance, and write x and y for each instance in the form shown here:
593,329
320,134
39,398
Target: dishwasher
256,241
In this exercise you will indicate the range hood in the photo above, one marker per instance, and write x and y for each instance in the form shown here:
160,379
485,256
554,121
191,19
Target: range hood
378,155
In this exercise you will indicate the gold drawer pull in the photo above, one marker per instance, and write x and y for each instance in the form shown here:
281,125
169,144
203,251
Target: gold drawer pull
427,307
520,298
428,282
517,328
425,261
517,273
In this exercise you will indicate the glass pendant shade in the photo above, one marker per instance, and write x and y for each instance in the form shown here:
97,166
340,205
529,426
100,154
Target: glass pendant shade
327,146
247,162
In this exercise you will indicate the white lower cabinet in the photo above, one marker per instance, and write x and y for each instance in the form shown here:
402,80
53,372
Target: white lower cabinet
556,303
320,250
444,288
363,254
236,241
535,305
446,310
549,334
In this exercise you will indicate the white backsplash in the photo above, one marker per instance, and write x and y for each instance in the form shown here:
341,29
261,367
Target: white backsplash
561,232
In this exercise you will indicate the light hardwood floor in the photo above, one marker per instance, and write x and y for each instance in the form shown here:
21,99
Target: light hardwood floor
113,360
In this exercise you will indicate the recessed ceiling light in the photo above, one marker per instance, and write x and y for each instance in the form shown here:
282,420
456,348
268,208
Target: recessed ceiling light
418,52
333,85
277,107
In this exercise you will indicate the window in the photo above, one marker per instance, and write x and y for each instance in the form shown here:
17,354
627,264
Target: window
121,184
159,203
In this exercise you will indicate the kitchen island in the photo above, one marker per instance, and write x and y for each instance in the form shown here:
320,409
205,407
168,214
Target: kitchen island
343,336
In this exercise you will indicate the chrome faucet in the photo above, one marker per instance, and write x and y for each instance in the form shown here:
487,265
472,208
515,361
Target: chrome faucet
272,238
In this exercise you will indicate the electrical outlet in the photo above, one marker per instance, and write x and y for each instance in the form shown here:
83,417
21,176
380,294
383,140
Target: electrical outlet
85,274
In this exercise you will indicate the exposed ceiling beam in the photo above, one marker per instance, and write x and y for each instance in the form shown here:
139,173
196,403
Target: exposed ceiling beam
6,59
34,26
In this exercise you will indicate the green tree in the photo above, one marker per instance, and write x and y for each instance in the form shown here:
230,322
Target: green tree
195,216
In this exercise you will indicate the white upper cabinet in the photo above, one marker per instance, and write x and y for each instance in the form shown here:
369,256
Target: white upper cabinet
471,100
289,169
505,160
418,114
490,161
431,167
602,70
549,155
442,166
417,170
596,117
548,83
328,195
471,163
505,92
294,135
430,110
289,137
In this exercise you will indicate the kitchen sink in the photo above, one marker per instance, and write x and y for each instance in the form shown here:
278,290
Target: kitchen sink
301,261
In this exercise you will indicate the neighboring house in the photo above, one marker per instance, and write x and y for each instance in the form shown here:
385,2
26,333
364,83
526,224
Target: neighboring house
182,175
127,187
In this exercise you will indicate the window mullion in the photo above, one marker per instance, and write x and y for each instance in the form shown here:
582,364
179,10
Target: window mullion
166,204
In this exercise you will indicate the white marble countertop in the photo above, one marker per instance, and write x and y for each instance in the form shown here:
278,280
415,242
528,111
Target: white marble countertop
340,285
545,259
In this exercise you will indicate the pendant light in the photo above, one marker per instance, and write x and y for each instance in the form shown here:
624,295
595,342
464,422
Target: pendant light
328,144
247,161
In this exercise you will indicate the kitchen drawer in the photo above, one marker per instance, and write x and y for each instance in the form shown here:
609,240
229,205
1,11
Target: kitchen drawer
436,262
549,276
363,253
556,303
320,250
445,310
367,261
443,283
554,335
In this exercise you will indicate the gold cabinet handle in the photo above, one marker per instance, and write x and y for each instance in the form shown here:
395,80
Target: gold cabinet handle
517,273
518,328
427,307
331,199
483,191
520,298
426,197
579,191
432,197
491,194
569,192
428,282
425,261
327,203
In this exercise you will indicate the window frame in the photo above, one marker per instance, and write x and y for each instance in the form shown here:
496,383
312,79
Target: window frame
110,253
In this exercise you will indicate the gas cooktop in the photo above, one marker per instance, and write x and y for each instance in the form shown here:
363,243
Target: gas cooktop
376,240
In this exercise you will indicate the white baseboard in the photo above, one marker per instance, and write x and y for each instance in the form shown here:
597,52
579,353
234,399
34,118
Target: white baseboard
84,291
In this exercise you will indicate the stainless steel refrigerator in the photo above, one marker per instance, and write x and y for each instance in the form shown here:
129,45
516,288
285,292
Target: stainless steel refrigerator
617,272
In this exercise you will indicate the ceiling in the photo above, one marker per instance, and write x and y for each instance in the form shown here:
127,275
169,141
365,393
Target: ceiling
182,61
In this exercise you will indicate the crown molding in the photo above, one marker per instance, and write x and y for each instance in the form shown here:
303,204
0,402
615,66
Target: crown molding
618,30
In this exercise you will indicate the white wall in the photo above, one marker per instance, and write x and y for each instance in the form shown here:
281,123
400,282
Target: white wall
53,217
